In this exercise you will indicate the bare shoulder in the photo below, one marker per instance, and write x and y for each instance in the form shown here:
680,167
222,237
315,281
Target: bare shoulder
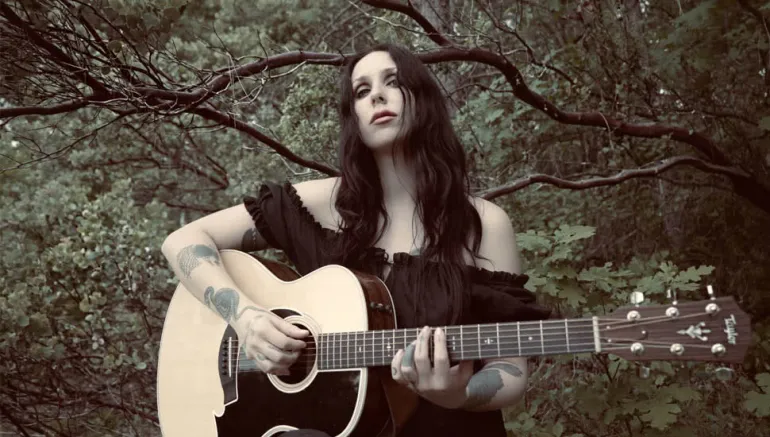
318,196
498,239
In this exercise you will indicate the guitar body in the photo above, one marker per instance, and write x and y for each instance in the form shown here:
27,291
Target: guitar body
200,393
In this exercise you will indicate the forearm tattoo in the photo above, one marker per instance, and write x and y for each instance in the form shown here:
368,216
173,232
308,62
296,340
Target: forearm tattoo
191,257
225,302
484,385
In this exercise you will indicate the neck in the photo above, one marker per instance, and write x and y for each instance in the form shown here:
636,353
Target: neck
397,179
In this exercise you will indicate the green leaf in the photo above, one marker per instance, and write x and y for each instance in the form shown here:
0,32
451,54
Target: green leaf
557,430
115,45
759,403
22,320
661,415
141,365
568,234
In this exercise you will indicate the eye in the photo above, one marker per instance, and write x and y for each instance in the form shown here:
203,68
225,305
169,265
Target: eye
360,92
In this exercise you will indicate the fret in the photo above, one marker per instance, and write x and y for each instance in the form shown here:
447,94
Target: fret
320,342
542,340
331,346
382,340
532,340
355,350
489,343
390,344
566,333
347,350
497,331
462,349
450,344
518,339
478,338
556,339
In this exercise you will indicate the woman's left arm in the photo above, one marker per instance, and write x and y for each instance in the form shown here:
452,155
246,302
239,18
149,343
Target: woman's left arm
502,381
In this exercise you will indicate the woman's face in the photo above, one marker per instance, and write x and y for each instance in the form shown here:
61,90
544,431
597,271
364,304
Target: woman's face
379,104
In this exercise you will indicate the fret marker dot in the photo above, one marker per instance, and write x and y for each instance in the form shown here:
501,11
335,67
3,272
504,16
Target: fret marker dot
529,338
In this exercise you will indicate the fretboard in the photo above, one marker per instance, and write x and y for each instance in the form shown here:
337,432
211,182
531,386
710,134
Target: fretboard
347,350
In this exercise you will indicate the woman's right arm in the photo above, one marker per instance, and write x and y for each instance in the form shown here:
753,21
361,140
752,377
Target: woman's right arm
193,254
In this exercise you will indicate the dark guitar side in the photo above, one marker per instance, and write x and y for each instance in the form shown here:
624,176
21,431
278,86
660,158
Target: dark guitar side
328,403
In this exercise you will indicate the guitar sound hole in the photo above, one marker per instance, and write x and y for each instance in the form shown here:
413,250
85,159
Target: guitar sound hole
305,362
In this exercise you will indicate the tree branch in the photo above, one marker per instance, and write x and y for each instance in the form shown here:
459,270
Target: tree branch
230,121
624,175
44,110
62,59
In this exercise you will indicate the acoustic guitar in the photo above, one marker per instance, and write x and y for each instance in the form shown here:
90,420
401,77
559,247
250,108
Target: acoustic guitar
341,382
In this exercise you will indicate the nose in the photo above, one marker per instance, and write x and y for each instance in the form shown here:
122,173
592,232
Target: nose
377,95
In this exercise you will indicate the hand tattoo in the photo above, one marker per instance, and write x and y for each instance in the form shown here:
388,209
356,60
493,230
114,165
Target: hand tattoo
408,359
191,256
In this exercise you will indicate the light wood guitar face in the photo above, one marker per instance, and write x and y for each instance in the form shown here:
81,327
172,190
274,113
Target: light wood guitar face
191,401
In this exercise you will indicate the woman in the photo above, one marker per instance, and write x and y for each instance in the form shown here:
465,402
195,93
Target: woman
401,209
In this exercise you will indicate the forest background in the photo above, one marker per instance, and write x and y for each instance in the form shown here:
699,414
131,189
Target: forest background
627,139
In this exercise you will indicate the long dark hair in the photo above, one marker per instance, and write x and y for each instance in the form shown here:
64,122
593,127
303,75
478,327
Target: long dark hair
432,149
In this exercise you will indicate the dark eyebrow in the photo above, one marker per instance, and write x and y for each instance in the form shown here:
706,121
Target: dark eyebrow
360,78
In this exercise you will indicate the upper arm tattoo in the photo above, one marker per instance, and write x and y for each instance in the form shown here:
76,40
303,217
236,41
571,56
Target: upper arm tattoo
249,240
506,367
483,386
191,256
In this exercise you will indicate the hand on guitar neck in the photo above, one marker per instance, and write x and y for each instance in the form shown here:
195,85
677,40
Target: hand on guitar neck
273,343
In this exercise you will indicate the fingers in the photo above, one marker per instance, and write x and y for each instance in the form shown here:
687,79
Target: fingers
421,357
273,350
288,329
440,353
282,341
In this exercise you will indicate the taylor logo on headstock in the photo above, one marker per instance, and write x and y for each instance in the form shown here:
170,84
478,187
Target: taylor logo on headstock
697,331
732,333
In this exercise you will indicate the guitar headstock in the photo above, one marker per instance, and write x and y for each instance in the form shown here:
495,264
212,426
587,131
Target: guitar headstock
715,329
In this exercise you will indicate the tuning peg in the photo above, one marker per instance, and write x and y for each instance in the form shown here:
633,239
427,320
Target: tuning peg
671,295
637,297
724,373
710,291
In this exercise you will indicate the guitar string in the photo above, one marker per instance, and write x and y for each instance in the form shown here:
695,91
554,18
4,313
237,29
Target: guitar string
337,342
246,365
337,337
332,349
508,327
381,354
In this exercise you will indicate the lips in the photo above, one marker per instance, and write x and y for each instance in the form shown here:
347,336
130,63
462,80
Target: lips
382,114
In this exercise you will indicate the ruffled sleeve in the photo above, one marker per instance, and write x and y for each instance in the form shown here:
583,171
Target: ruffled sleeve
285,223
498,296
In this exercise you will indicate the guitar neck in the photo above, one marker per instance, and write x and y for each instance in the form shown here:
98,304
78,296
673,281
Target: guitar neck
348,350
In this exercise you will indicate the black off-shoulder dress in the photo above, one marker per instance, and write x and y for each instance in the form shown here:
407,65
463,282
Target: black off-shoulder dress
494,296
